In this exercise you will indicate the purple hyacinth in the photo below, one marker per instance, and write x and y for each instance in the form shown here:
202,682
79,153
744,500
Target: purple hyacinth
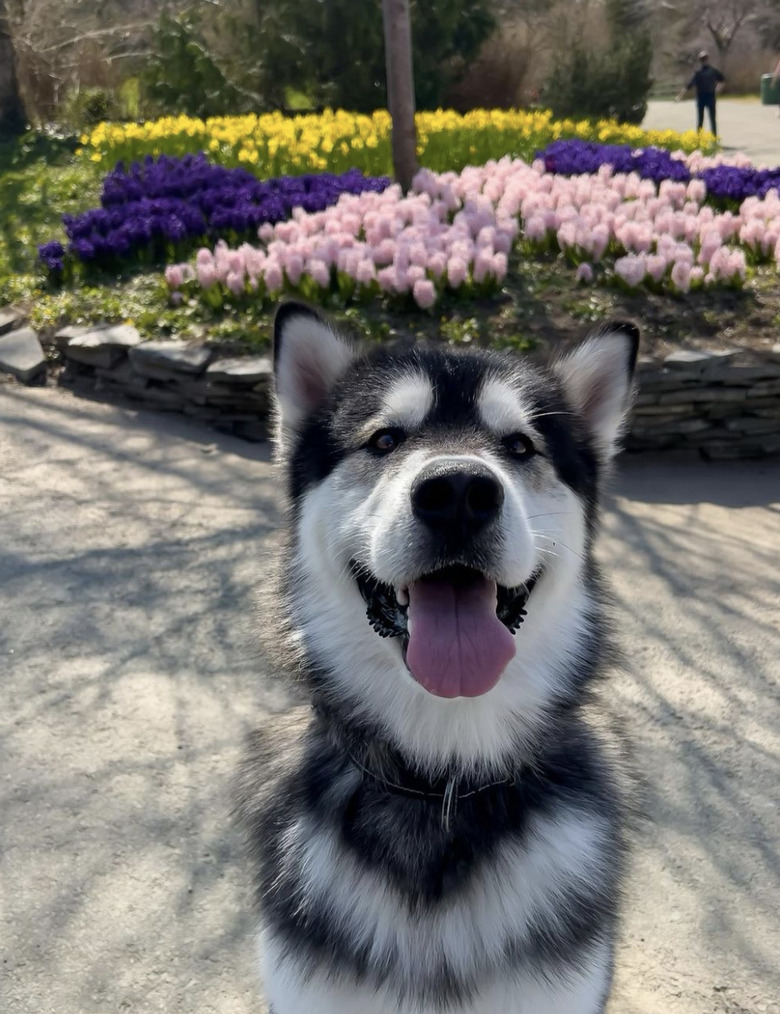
574,157
735,183
149,206
52,255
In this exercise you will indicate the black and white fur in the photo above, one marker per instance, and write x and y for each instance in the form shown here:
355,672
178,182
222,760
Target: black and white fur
416,854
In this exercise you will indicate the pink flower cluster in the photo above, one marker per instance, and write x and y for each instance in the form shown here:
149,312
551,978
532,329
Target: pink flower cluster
381,242
664,235
454,232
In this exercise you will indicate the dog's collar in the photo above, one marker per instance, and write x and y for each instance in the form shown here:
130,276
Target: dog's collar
447,790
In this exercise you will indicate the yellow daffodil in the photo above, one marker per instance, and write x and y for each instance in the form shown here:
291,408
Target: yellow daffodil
337,140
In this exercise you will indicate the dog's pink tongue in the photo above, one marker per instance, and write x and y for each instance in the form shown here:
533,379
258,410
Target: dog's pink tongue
457,645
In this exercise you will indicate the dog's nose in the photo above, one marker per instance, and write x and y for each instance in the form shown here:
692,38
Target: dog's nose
454,499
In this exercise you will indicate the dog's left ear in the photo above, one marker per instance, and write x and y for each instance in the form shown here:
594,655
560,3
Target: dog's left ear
308,360
597,378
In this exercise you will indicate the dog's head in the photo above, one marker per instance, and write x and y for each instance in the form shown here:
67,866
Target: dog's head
443,505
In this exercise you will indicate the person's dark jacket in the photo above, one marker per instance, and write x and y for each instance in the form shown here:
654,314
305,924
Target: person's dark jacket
705,80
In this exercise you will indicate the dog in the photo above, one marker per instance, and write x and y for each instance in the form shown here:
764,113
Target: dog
440,826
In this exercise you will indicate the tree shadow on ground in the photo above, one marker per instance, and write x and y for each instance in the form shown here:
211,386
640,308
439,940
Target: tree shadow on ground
697,596
130,557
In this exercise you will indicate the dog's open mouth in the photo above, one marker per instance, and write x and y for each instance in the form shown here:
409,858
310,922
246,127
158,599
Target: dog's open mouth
455,625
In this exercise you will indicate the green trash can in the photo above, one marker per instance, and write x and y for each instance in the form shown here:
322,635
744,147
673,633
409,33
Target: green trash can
770,94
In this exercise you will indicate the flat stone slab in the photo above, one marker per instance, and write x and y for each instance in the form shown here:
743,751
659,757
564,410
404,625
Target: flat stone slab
21,354
161,360
65,334
10,319
240,371
102,346
748,375
698,361
704,394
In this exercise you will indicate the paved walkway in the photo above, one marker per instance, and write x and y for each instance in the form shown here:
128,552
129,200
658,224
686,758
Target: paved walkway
743,125
130,547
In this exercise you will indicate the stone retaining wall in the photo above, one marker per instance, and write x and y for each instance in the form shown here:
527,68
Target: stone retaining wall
723,404
230,394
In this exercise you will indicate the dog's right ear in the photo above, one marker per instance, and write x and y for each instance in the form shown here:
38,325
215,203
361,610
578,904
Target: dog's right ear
308,360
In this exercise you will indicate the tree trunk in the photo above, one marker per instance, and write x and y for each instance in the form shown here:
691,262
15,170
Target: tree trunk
400,88
12,118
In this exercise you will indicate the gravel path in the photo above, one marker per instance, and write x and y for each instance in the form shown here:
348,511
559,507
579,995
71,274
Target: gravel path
743,125
130,546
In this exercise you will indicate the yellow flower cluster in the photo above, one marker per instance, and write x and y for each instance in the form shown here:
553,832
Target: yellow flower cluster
273,144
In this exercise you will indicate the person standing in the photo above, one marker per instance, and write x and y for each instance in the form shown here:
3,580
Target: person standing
707,81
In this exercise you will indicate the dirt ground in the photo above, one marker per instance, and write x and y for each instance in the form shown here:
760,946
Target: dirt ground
130,548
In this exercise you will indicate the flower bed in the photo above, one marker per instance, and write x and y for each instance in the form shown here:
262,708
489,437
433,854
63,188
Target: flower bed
159,209
277,145
453,233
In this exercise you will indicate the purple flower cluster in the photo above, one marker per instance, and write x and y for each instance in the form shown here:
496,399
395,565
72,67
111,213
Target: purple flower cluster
724,182
735,183
574,157
169,205
52,255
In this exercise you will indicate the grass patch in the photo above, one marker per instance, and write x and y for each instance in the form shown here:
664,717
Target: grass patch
34,195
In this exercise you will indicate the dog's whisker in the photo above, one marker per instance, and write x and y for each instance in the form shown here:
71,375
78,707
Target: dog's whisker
546,415
557,542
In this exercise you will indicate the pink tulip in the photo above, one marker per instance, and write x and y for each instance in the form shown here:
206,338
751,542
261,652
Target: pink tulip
681,275
656,266
536,229
599,241
424,293
274,276
386,279
174,276
585,273
457,272
697,191
235,282
366,273
499,266
207,275
294,268
631,269
483,264
437,263
567,235
319,272
384,252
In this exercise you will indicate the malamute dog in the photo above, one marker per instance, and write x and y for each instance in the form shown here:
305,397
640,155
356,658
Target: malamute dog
439,830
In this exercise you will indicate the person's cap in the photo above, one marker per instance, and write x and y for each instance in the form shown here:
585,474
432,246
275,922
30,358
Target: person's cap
704,55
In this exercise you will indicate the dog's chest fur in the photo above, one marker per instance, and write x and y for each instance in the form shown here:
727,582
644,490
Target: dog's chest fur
369,884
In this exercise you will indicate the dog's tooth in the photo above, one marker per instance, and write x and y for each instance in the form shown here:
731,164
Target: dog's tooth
402,596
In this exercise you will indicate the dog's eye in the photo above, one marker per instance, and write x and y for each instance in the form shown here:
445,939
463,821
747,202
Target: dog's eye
519,445
385,441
